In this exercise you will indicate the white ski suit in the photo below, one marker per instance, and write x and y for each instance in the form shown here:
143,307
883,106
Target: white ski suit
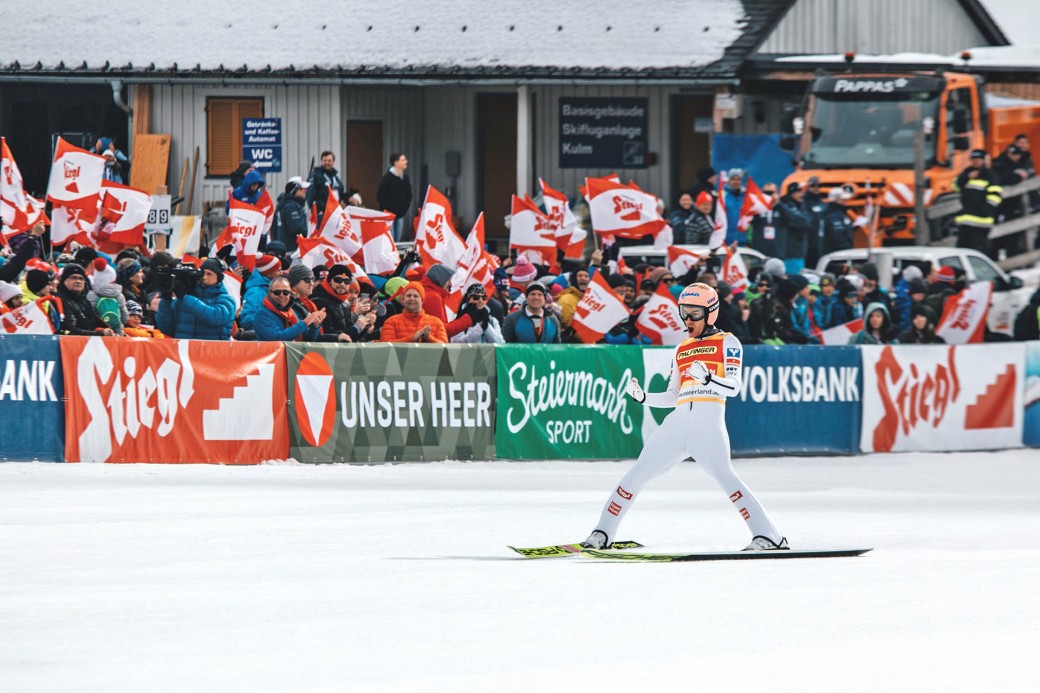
696,428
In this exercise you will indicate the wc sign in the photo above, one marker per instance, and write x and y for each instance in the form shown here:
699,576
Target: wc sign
262,143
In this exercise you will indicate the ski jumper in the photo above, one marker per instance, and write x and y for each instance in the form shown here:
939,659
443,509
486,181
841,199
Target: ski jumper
696,428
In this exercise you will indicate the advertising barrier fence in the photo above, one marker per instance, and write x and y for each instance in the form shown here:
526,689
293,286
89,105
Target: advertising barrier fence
32,414
132,400
174,400
391,402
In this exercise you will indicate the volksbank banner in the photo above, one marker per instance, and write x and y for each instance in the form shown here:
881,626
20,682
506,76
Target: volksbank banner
32,414
391,402
792,399
563,402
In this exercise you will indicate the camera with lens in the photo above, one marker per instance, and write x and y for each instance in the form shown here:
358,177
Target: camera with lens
179,279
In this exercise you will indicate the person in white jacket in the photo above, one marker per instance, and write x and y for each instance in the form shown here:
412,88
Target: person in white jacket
706,370
485,329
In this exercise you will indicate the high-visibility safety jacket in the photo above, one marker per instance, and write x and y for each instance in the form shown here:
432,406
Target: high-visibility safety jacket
980,197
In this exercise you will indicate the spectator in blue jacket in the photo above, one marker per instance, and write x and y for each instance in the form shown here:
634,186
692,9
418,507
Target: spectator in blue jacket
277,322
825,311
733,196
206,312
793,225
255,291
800,309
532,324
251,188
901,302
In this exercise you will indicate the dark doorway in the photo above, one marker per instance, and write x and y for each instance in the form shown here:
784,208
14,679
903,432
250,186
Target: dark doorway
365,162
690,114
496,183
31,113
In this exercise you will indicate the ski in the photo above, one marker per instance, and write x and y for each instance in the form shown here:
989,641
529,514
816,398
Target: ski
718,555
570,549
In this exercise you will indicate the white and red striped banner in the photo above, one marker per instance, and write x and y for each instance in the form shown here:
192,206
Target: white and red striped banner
379,251
839,335
532,233
569,236
755,202
435,237
964,317
659,319
598,311
681,261
245,224
32,318
734,271
623,210
75,179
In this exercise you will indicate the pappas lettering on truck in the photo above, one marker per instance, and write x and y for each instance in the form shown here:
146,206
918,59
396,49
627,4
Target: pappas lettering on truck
859,128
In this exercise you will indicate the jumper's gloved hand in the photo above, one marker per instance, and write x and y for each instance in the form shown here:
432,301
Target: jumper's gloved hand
634,391
699,372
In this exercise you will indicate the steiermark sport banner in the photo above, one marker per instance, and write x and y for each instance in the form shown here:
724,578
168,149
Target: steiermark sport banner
391,402
567,402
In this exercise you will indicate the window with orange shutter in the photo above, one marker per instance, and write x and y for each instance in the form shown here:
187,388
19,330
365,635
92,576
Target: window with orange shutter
224,132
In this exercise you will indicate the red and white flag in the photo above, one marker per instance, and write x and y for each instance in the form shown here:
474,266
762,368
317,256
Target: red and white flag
16,210
266,205
477,266
598,311
734,271
124,212
337,228
569,236
75,179
532,233
319,251
435,237
584,189
245,223
623,210
32,318
659,319
719,222
964,318
73,224
839,335
755,202
681,261
379,250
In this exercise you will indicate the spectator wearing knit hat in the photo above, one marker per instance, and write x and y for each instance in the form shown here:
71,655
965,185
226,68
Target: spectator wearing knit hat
783,327
301,282
80,318
206,311
414,324
333,296
130,276
436,282
255,291
872,291
134,323
10,297
531,323
524,272
107,296
485,331
37,284
922,327
901,301
941,289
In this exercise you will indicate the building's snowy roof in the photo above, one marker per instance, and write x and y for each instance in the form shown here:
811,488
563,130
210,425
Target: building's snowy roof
395,37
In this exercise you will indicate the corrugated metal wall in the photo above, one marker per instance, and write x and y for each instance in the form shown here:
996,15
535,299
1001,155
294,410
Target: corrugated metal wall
311,121
874,26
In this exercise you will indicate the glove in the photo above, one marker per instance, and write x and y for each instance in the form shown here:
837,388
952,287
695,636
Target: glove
699,372
480,315
634,391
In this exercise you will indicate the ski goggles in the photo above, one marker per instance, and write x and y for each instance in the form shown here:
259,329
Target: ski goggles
694,313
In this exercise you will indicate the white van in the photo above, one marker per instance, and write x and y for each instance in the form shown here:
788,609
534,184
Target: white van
1010,293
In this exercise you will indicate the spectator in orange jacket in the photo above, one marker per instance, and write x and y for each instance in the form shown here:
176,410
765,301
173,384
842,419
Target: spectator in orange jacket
134,328
414,325
435,282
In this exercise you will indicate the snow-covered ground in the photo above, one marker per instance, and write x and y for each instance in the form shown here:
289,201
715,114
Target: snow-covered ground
292,577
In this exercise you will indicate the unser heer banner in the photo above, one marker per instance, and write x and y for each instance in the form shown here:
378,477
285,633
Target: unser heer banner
391,402
942,397
32,416
562,402
139,400
792,399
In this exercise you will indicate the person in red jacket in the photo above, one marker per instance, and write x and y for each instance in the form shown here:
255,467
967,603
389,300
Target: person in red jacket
414,324
436,282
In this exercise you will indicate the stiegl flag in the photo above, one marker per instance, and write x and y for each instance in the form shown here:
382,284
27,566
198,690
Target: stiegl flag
964,317
532,233
75,179
435,237
659,318
598,311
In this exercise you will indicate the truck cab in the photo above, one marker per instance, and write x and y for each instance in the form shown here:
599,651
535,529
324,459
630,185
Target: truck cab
860,129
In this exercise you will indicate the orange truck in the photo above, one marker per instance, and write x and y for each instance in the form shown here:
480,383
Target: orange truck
860,129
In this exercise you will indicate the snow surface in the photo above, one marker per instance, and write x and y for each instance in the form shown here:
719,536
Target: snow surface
397,578
388,33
